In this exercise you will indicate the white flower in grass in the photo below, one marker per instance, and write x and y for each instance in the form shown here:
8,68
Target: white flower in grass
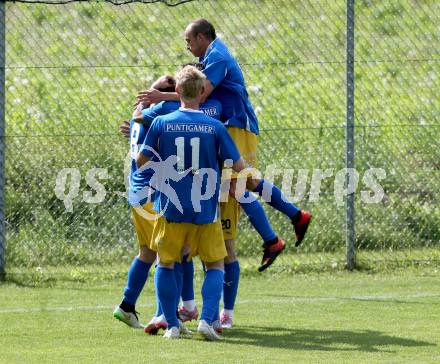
103,81
255,88
271,27
147,79
66,35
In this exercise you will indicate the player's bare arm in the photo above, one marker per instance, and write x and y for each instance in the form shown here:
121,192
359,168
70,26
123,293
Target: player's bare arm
137,113
157,92
141,160
153,96
239,165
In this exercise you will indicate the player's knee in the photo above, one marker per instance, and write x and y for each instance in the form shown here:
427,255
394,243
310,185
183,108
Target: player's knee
230,249
232,188
252,183
186,250
215,265
166,264
146,254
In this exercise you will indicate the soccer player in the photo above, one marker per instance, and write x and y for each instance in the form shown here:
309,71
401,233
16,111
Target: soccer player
136,130
140,267
184,271
225,82
253,209
198,143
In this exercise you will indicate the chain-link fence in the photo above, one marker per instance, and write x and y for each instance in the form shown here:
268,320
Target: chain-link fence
73,71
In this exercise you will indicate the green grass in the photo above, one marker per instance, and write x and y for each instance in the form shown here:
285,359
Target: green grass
338,317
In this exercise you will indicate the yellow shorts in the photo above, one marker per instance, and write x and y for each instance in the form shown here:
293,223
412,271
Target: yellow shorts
203,240
246,143
143,218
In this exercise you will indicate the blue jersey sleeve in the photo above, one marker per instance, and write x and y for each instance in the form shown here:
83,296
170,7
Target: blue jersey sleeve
150,113
215,68
151,141
228,149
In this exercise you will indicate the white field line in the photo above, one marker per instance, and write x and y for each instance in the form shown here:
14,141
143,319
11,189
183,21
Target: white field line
282,300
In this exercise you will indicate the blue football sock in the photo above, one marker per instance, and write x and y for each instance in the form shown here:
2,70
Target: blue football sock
211,293
230,285
137,276
188,279
167,290
257,216
216,314
275,198
179,280
159,310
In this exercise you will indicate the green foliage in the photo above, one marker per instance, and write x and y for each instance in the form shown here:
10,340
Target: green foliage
73,72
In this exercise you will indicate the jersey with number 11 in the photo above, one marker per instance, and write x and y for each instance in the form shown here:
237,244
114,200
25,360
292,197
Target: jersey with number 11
200,144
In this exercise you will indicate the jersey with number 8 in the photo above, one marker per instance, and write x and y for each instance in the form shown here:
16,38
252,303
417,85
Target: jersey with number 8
137,180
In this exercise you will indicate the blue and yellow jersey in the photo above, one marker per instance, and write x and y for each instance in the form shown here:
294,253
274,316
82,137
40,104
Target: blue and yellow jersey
137,180
195,145
138,131
225,74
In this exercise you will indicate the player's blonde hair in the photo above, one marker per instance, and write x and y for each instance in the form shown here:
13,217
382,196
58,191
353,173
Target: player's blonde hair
190,81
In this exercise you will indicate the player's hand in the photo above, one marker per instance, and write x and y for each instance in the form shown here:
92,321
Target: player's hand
141,102
151,96
124,128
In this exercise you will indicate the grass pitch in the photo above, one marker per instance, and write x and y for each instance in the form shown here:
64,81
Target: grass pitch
280,318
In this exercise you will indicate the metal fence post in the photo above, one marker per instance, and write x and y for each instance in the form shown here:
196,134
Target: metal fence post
2,141
349,213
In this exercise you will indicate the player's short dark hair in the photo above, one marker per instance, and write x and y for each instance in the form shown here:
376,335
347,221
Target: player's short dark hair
202,26
171,84
167,89
197,65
